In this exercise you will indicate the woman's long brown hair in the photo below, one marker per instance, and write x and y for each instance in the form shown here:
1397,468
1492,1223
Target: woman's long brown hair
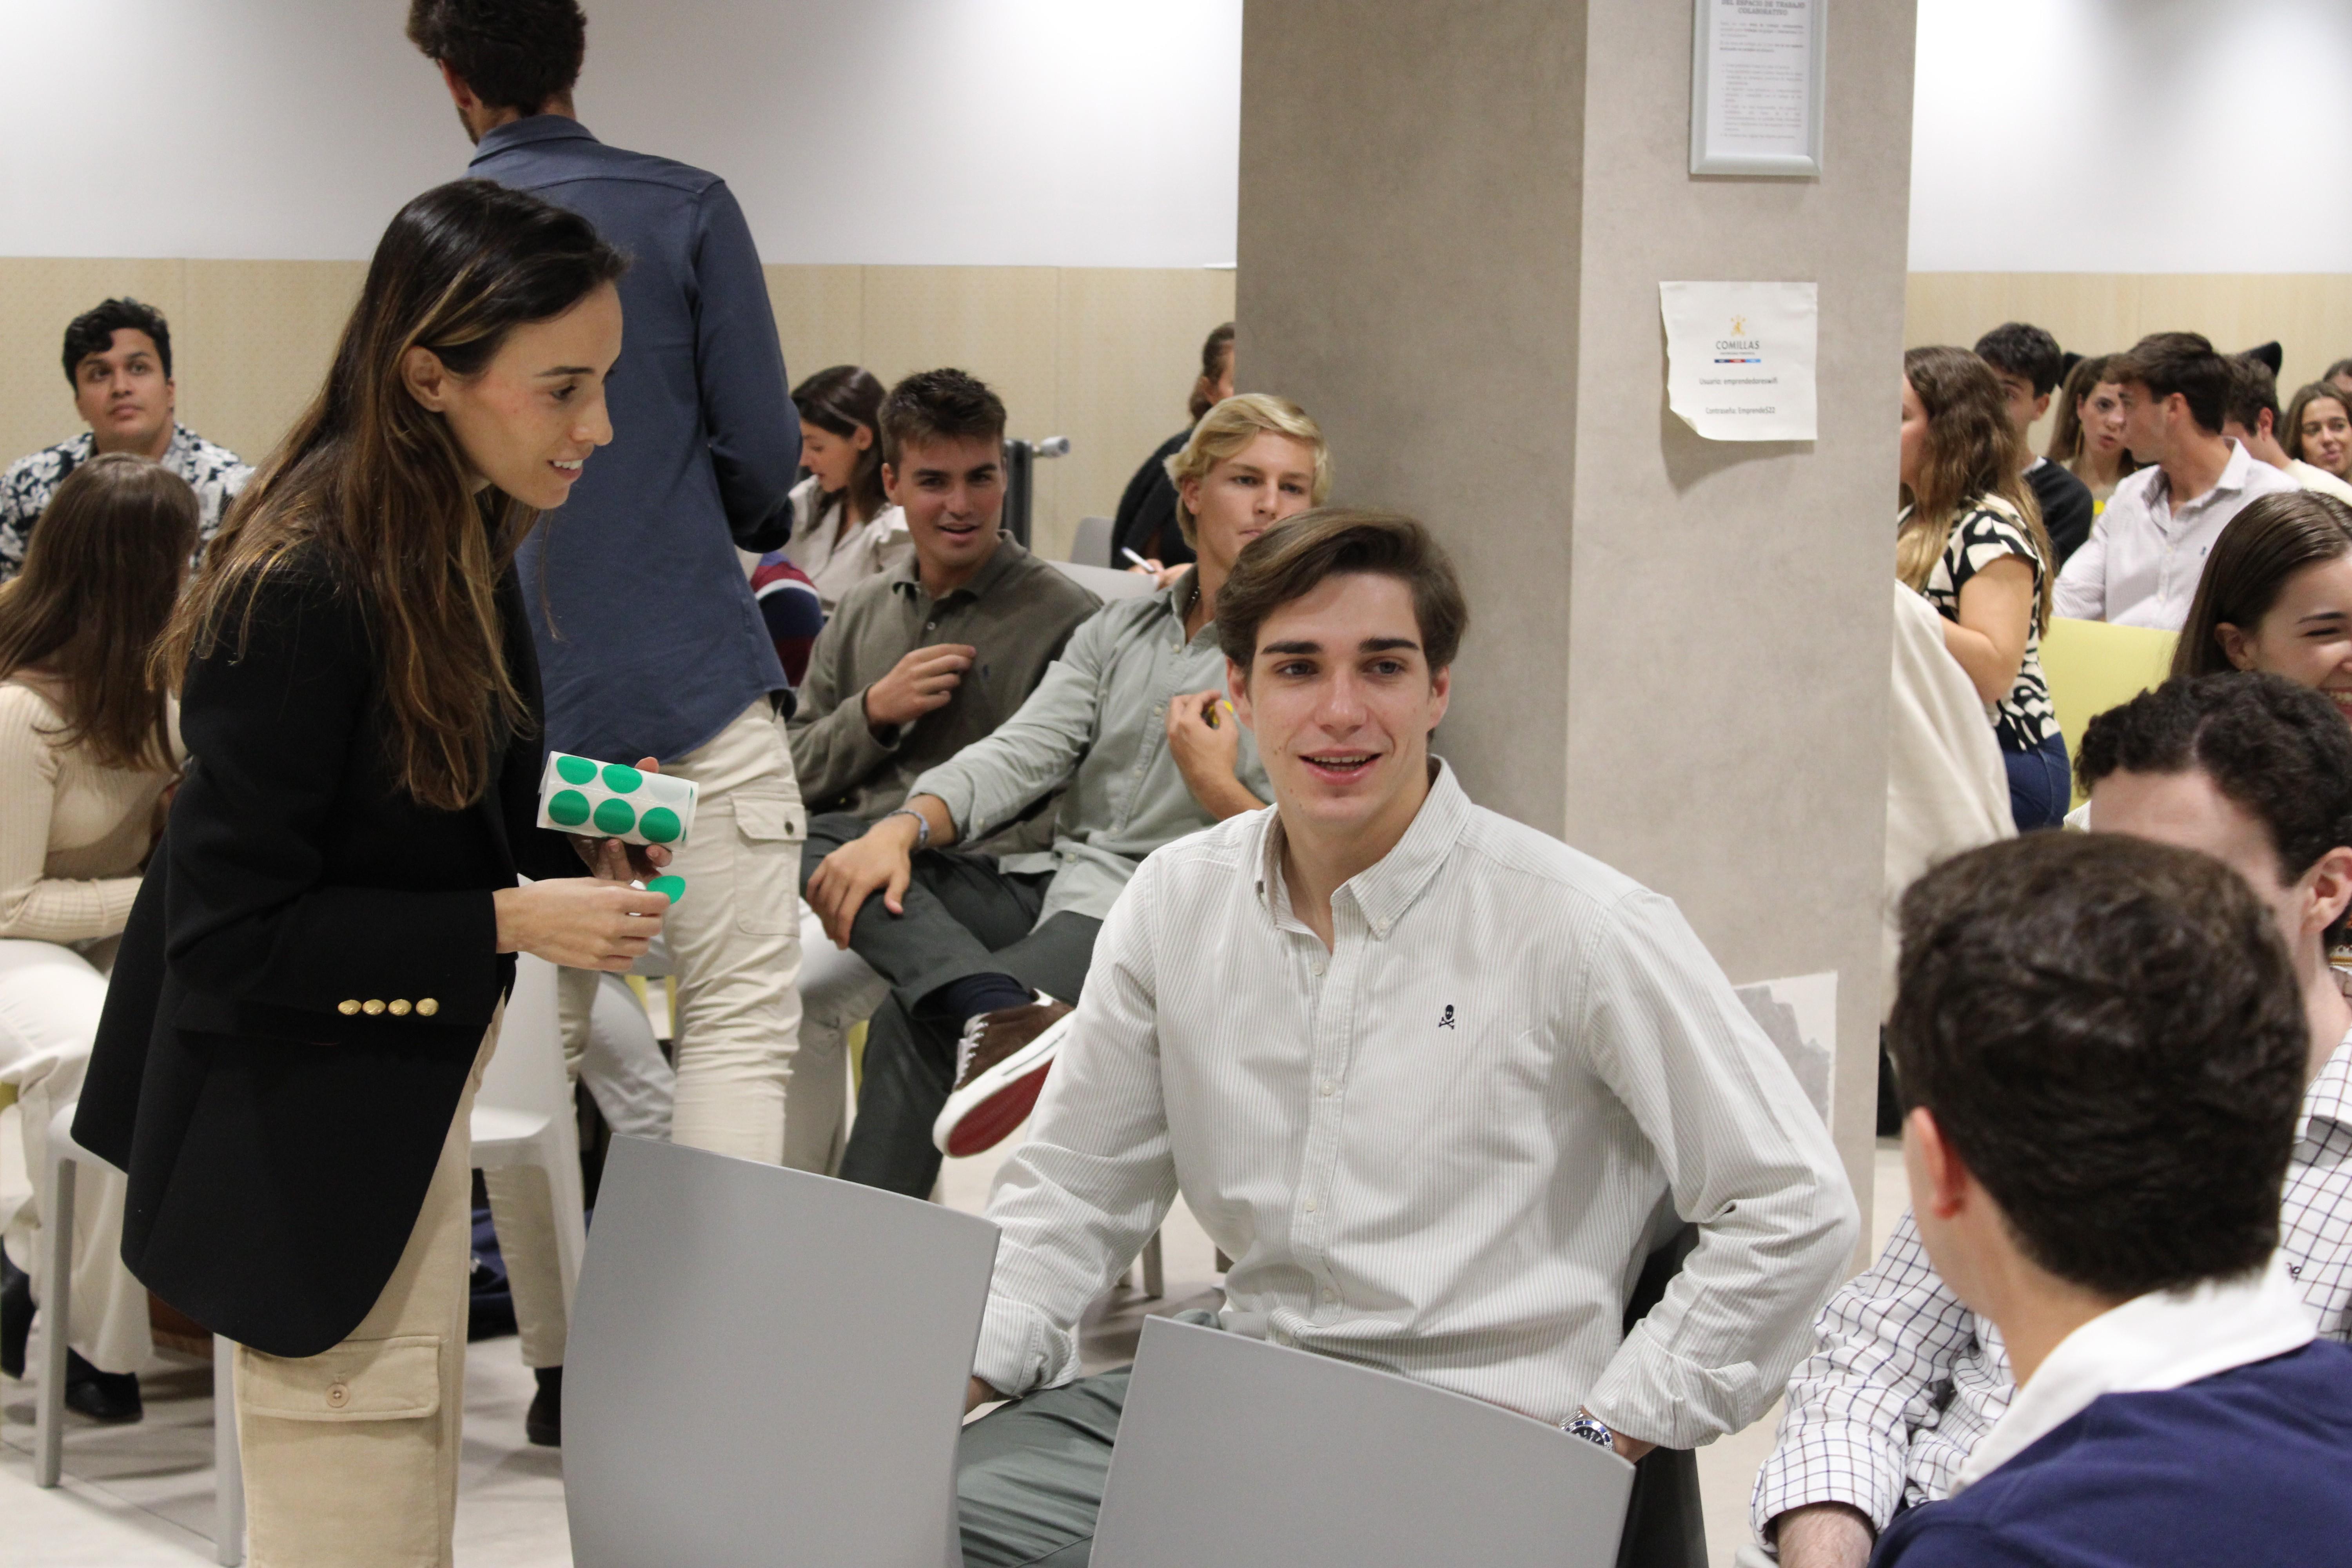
2274,537
373,487
1972,451
101,575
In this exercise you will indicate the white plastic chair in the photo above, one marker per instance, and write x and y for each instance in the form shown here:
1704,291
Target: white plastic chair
57,1316
1091,546
1251,1455
523,1112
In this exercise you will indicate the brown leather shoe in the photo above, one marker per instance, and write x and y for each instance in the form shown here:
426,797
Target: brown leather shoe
1002,1062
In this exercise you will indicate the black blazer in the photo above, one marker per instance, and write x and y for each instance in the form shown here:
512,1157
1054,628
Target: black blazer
305,980
1146,519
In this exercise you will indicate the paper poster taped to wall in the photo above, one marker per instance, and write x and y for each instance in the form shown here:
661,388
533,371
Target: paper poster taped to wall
1801,1017
1739,358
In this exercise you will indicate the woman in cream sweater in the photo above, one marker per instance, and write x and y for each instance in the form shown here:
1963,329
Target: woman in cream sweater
88,751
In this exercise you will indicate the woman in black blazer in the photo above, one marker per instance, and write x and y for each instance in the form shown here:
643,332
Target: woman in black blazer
311,977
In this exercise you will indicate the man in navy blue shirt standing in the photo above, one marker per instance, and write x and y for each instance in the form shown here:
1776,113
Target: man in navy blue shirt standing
650,641
2101,1052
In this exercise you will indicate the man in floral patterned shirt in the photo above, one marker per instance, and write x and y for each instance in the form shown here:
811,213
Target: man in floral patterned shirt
118,359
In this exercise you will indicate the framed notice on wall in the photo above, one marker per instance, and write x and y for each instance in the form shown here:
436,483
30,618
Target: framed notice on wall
1756,87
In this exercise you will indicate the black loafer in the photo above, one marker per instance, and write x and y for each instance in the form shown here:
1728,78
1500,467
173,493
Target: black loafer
102,1395
15,1315
543,1422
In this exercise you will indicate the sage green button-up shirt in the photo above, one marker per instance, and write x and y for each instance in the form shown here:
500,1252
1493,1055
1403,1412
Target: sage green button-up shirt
1098,724
1017,612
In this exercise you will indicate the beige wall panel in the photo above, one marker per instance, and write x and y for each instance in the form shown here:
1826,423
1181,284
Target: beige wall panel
820,316
259,337
1128,345
38,295
996,322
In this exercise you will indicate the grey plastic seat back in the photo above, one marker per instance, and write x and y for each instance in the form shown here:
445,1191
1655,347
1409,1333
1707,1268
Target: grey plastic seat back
767,1367
1091,546
1248,1455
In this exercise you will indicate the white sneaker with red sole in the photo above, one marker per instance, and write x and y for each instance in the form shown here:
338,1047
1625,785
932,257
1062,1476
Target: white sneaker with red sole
992,1098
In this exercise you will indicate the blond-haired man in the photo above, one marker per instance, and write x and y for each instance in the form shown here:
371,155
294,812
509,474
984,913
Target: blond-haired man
983,955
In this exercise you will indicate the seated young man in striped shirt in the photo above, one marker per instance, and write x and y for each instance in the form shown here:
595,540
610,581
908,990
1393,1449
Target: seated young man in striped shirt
2101,1054
1904,1380
1436,1082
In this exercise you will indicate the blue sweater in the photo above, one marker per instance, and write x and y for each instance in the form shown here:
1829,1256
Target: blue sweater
2248,1468
656,645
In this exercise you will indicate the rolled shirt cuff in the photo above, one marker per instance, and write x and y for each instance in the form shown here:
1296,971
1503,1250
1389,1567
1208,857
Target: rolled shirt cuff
1021,1350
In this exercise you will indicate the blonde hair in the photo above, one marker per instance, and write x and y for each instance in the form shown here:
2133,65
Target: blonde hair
1224,431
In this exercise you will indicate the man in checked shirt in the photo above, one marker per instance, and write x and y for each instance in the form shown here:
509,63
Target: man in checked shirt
1904,1380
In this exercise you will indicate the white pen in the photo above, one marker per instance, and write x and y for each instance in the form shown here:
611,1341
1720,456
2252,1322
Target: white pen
1132,555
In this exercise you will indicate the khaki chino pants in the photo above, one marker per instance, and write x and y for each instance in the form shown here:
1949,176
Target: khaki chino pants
351,1457
734,940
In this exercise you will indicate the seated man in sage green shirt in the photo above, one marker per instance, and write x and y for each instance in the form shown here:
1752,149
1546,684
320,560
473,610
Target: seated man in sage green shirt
985,954
915,665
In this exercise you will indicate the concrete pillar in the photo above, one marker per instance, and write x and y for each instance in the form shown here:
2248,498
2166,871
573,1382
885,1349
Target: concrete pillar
1453,222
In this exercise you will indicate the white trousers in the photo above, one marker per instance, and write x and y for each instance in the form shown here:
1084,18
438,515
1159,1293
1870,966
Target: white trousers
351,1457
610,1045
839,991
51,998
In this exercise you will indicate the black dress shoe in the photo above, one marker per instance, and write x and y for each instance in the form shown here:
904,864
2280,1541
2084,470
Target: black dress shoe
543,1423
15,1315
102,1395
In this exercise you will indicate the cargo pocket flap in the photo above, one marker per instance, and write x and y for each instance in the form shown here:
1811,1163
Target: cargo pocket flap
363,1379
770,818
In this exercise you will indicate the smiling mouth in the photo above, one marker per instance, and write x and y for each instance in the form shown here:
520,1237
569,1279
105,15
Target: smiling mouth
1342,765
570,468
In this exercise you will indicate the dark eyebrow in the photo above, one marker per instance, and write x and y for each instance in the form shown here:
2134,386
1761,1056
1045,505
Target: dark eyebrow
1386,644
569,370
1290,648
2322,616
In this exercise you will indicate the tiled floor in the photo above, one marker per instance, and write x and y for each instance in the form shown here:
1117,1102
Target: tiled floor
140,1496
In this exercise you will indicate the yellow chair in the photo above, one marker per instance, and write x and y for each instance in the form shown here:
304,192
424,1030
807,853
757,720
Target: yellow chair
2093,667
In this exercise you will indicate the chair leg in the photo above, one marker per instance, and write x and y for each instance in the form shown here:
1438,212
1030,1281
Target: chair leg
228,1460
1155,1276
56,1317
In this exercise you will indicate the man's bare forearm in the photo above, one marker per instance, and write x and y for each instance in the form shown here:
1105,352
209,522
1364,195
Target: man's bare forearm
1823,1535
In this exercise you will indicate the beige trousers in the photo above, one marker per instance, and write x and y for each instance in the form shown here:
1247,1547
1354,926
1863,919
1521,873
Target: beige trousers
351,1457
51,998
734,940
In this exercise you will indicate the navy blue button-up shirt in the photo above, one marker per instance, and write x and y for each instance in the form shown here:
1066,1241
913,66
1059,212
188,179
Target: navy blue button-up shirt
655,643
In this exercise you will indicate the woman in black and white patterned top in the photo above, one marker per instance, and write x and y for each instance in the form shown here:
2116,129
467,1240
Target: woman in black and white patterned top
1973,544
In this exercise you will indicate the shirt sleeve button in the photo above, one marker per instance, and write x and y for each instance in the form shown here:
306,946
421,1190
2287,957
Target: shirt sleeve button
338,1394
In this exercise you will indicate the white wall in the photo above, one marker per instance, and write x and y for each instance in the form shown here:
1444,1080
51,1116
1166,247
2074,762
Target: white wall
1018,132
2131,136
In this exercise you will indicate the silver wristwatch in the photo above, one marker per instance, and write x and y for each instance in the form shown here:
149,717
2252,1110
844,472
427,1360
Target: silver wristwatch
922,824
1591,1429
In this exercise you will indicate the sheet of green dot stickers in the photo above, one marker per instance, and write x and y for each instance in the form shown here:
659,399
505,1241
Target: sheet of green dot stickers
578,794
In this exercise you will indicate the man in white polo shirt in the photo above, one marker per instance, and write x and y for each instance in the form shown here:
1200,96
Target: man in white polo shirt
2148,548
1436,1082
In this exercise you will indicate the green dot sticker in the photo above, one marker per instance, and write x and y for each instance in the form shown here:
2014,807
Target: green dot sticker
660,826
670,887
623,781
567,807
612,816
574,770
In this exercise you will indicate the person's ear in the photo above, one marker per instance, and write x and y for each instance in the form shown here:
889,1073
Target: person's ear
1940,1181
2329,883
427,378
1441,693
889,482
2236,646
459,93
2040,405
1189,489
1237,688
862,437
2265,424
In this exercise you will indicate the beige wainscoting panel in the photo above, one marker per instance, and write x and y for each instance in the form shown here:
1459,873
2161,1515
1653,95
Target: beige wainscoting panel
820,316
38,295
1129,349
263,334
1105,356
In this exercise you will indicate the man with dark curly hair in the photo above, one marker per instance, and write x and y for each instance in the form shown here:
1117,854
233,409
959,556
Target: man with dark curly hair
650,641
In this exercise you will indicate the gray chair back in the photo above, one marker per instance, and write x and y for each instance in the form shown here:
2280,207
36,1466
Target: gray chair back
767,1367
1091,545
1248,1454
1106,583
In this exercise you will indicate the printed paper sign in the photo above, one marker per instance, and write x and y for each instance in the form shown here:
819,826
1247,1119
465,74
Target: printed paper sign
1739,358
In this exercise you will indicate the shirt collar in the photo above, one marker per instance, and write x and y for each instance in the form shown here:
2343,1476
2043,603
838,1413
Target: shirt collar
2166,1339
530,128
908,576
1386,889
2329,1097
